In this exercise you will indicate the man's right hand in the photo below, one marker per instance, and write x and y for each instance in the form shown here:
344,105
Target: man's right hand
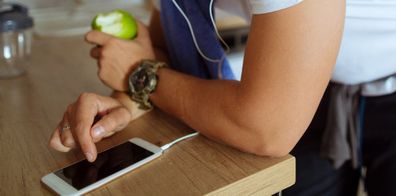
79,129
118,57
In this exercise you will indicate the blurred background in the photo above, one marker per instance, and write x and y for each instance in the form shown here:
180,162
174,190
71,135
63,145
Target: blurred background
72,18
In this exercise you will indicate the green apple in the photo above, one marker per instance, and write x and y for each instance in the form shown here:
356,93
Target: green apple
118,23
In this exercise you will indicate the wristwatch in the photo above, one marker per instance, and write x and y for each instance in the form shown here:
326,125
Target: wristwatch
143,81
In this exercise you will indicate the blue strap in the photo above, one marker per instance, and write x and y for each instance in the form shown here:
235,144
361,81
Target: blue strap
182,52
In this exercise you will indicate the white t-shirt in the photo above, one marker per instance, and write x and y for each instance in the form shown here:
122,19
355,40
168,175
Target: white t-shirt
369,41
369,44
245,8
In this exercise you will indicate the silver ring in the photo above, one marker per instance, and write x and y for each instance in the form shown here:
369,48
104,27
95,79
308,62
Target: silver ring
65,127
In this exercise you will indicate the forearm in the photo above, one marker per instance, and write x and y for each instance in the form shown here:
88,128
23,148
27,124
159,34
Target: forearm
206,105
215,109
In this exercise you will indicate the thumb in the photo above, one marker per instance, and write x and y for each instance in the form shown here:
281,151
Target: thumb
97,37
112,122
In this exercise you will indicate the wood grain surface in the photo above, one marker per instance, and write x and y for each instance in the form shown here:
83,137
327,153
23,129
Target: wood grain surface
60,69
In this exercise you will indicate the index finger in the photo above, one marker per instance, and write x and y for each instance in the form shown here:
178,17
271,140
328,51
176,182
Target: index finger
83,118
97,37
88,106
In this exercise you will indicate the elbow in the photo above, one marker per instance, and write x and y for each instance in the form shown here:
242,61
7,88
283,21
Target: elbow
272,143
272,149
267,131
266,136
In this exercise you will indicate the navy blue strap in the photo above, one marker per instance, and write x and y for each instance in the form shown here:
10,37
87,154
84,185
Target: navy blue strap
183,53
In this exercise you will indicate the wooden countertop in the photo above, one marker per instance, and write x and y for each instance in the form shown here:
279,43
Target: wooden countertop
60,69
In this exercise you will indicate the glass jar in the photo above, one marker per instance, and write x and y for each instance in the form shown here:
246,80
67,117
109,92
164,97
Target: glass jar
15,39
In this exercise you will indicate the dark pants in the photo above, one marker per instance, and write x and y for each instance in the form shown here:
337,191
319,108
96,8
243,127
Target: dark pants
316,176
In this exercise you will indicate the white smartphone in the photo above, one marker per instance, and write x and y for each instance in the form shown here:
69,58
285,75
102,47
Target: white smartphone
83,176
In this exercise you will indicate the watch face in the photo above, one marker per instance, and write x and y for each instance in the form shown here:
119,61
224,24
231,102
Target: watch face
141,80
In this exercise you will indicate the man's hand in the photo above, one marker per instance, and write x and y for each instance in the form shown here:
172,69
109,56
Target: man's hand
118,57
79,129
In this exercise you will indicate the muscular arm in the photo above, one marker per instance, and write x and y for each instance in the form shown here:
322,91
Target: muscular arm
288,63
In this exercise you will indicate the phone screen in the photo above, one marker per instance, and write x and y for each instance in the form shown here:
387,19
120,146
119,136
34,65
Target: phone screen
84,173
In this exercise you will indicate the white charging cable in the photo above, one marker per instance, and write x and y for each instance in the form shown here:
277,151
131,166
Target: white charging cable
219,61
168,145
215,27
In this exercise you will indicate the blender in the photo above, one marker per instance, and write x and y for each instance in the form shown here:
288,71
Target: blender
15,39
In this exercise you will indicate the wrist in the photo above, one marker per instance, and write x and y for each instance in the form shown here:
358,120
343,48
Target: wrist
124,86
143,82
129,104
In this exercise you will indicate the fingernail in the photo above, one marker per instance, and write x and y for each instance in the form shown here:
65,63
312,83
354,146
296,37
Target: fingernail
89,156
98,131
